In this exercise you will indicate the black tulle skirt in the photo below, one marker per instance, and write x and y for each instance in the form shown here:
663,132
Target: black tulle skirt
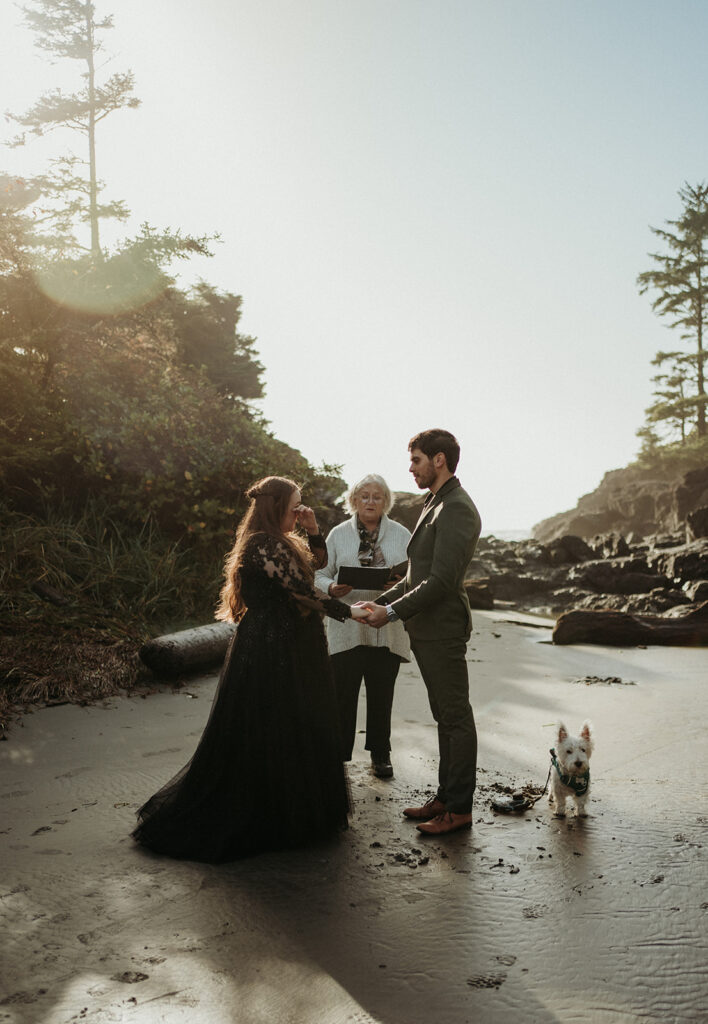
267,773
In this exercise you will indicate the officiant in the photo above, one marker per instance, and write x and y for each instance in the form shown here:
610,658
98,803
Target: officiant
361,550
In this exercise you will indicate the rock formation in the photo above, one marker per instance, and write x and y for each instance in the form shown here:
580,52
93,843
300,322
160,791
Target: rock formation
629,502
644,572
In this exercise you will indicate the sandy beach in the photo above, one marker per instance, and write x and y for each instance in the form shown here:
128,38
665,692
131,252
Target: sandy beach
527,919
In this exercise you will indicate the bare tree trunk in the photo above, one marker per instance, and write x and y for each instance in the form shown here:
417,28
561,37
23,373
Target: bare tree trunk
700,379
93,187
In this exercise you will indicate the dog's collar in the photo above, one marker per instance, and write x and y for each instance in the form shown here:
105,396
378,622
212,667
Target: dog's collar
578,783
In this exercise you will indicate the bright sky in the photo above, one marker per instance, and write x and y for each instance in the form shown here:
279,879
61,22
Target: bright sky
435,211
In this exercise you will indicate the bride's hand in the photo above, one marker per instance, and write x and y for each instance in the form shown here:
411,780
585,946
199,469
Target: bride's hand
358,612
306,518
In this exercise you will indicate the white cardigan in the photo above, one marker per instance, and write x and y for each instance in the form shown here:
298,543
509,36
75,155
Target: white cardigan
343,549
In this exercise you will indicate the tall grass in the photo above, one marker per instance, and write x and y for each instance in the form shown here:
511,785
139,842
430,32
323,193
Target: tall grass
132,577
113,586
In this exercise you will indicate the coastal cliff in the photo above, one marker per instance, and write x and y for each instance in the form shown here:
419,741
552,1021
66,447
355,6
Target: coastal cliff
637,504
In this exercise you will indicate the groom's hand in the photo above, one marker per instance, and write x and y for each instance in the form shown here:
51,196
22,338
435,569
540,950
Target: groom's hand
377,614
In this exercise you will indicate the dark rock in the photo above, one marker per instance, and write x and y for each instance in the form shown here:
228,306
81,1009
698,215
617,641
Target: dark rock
618,576
568,549
691,493
697,523
479,593
407,508
689,562
659,541
509,585
609,545
478,569
689,627
658,600
563,598
696,590
599,602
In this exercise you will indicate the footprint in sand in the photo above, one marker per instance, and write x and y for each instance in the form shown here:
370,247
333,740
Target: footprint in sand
22,997
72,772
533,912
487,980
130,977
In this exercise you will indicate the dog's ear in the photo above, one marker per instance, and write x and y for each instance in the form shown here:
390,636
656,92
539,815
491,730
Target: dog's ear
586,732
562,732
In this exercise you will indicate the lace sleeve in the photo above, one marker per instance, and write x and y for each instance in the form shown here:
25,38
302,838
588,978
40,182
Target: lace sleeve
278,562
318,549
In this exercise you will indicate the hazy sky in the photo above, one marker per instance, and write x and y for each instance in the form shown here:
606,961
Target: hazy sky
435,211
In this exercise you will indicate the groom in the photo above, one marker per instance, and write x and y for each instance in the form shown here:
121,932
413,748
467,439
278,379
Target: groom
433,605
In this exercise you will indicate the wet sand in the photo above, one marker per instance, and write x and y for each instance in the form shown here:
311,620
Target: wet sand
525,919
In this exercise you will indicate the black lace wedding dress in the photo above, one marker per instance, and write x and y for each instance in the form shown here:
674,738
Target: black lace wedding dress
267,773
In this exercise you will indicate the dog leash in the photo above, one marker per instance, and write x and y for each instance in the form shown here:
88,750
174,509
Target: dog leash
535,799
519,802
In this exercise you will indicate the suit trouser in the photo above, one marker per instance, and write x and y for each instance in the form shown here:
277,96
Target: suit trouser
378,667
443,667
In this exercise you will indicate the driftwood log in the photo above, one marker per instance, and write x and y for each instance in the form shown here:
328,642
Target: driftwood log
190,650
620,629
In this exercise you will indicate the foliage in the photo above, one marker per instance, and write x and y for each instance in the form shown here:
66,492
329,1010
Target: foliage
107,585
206,334
127,438
673,460
680,278
103,408
99,404
111,578
674,407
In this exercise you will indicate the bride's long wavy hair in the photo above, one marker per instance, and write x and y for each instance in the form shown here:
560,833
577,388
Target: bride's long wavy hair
269,499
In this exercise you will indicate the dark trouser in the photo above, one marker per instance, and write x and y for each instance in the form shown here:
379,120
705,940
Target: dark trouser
444,670
378,667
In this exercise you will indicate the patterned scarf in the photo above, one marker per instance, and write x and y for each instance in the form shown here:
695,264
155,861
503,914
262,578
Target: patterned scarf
370,552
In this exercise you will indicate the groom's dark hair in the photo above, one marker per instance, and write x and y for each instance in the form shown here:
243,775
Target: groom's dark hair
430,442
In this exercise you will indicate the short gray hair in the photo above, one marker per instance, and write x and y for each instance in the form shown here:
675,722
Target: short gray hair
367,481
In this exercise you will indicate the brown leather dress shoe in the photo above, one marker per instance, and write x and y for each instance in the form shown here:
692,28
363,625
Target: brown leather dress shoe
446,822
429,810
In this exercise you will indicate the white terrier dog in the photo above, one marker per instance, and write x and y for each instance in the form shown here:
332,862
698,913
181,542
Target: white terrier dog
570,770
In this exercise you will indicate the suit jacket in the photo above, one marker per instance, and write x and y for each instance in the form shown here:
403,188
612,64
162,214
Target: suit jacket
431,600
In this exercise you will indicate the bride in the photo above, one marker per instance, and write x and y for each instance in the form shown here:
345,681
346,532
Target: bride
267,772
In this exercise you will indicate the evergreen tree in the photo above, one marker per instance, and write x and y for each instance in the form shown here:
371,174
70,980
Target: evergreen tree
206,323
69,29
680,278
675,408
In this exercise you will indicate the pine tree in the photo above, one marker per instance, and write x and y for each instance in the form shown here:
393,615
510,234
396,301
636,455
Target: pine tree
675,407
680,278
69,29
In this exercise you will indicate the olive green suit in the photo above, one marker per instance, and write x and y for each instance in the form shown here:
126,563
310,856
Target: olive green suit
433,605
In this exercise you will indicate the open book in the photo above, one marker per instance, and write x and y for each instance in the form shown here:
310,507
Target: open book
365,577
